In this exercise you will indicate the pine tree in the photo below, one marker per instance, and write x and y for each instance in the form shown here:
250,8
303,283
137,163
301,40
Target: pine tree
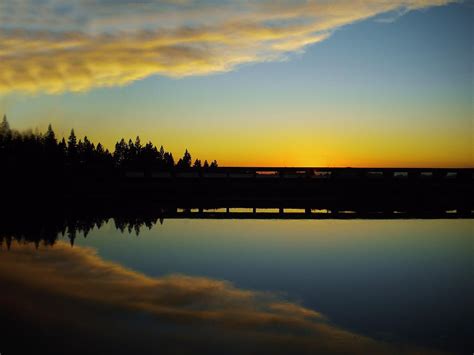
100,149
72,146
62,148
5,130
169,160
120,153
4,126
50,136
186,161
138,145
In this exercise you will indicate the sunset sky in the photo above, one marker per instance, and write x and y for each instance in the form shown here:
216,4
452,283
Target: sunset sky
248,82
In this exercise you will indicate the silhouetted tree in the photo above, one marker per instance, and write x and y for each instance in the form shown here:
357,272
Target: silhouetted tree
72,147
32,151
87,152
149,156
62,149
138,145
50,136
186,161
120,153
5,130
169,160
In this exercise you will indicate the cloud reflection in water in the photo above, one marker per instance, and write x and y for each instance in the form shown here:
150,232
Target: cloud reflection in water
64,288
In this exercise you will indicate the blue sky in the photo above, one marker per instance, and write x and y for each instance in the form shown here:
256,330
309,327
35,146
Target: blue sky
384,90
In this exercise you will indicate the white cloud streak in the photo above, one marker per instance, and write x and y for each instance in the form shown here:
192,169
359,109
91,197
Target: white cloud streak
56,45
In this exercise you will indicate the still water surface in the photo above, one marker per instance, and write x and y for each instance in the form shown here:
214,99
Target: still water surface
249,286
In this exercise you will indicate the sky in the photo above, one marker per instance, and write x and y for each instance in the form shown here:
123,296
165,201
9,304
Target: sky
248,82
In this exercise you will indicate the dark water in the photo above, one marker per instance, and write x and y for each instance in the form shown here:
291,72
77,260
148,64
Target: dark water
245,287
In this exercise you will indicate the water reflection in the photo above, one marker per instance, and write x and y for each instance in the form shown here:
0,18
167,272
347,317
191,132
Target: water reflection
98,306
192,285
46,226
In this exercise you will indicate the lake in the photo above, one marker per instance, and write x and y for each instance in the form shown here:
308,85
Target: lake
225,286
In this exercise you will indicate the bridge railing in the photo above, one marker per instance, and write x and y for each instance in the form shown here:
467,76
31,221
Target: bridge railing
317,173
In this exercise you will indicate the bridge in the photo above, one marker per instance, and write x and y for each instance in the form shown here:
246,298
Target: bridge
388,191
312,173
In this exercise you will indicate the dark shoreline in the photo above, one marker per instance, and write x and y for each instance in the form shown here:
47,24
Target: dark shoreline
324,188
42,207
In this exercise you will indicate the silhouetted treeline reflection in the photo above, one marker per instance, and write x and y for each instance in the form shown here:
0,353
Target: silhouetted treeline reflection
49,230
46,225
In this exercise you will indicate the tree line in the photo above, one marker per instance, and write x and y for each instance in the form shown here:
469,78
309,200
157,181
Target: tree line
48,230
44,149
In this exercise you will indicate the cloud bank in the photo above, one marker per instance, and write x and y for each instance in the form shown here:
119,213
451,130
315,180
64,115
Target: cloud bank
54,46
72,289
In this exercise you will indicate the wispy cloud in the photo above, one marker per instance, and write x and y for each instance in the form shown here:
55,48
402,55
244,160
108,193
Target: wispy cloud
94,294
57,45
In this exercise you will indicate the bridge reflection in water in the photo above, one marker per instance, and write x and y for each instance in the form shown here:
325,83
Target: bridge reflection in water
143,199
310,213
47,225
